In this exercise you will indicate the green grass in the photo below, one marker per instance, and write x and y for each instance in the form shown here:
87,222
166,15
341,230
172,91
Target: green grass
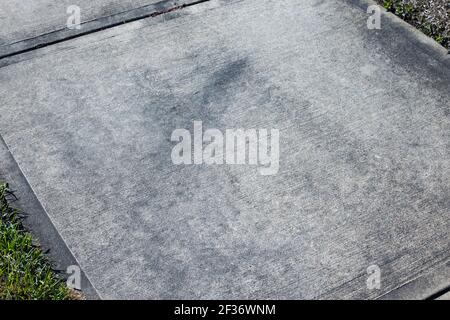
431,17
25,273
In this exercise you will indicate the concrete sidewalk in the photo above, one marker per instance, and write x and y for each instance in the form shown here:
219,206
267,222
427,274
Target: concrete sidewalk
29,24
364,168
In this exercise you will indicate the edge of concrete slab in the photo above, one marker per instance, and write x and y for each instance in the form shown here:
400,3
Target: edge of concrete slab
96,25
37,221
422,40
427,286
436,281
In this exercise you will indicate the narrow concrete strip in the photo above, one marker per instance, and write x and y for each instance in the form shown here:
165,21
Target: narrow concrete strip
364,126
37,221
27,25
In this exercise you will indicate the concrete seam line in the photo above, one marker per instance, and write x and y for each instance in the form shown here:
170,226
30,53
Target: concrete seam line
58,36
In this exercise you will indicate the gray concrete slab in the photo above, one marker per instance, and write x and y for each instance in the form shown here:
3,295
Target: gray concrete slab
27,24
364,170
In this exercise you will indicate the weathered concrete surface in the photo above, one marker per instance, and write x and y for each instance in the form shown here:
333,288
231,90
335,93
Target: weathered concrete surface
364,151
25,24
